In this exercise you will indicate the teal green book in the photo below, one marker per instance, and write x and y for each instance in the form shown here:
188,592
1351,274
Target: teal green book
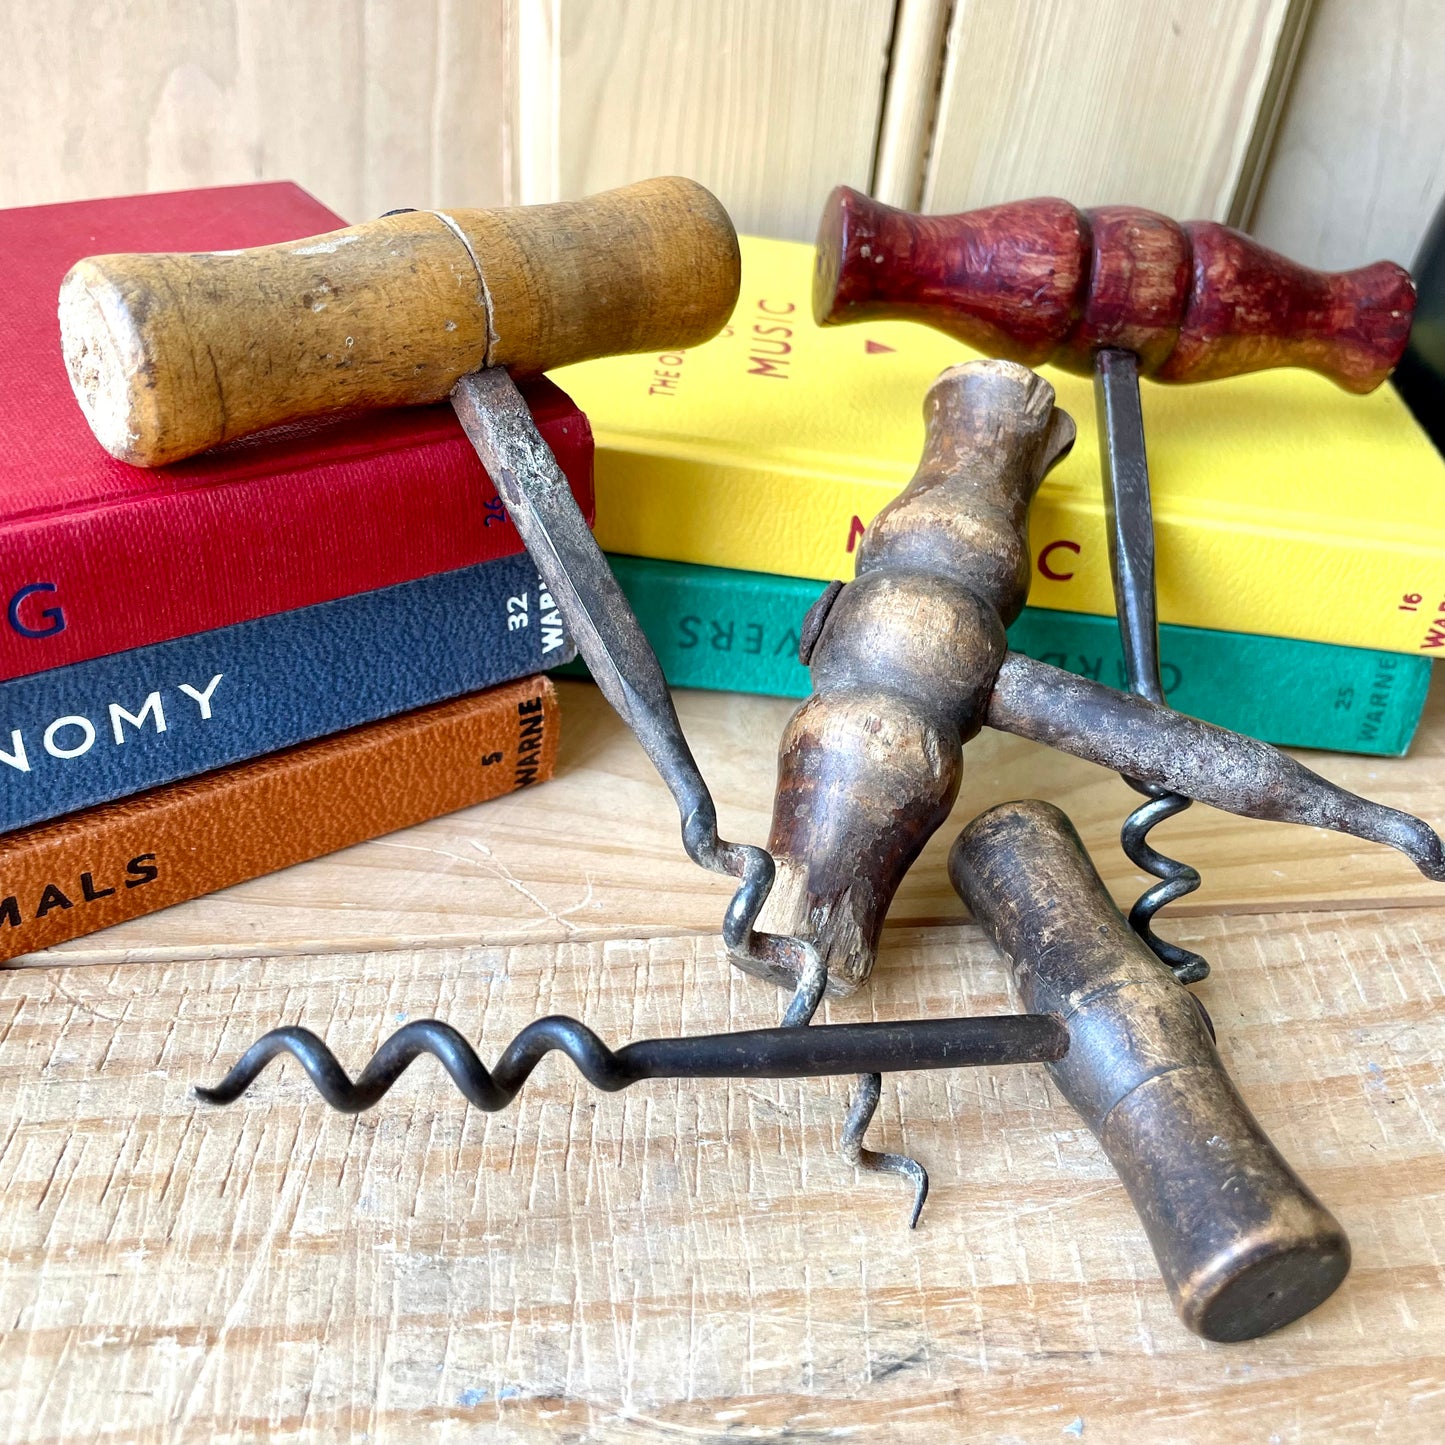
738,632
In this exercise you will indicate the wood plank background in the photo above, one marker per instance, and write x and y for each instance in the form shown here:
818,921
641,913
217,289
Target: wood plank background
369,106
1358,164
1156,102
1317,122
769,105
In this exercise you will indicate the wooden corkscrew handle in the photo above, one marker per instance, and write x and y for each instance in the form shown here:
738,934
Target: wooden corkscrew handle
903,662
1042,282
171,354
1243,1245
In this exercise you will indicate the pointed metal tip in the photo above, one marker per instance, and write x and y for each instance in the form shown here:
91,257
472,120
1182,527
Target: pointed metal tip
860,1115
906,1168
920,1193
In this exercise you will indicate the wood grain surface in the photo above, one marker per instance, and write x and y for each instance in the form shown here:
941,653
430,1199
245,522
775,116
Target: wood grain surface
910,101
1185,107
680,1261
1357,168
767,105
906,663
369,106
170,354
1045,283
1153,104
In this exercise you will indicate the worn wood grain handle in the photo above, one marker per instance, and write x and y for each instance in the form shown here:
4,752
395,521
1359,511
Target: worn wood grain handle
171,354
1042,282
1243,1245
903,660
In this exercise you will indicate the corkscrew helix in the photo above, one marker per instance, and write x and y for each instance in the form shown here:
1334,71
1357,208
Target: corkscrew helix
625,668
779,1053
1129,523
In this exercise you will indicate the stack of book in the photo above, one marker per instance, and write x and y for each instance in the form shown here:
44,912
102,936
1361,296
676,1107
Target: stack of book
223,667
1301,557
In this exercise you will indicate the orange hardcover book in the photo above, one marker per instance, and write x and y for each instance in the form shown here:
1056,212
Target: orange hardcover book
84,872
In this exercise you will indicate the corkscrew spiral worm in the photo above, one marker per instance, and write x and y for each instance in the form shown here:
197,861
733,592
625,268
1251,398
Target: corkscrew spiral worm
779,1053
1177,879
856,1153
1129,517
808,994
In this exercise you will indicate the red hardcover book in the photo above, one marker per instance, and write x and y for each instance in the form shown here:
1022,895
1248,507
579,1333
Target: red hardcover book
97,556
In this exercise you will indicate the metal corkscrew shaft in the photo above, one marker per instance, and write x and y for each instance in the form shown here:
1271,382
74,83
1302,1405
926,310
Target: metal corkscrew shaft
782,1053
1129,518
620,657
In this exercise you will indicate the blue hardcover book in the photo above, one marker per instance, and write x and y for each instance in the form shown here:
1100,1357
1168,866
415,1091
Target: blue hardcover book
113,726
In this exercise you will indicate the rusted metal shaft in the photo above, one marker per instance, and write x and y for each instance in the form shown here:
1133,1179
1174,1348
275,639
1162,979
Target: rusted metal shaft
1242,1243
1209,764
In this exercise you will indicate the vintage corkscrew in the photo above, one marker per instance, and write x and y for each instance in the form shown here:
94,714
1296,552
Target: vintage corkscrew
910,660
822,1051
175,353
171,354
1119,292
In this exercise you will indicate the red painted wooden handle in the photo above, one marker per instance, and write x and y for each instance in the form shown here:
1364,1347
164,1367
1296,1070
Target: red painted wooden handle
1043,282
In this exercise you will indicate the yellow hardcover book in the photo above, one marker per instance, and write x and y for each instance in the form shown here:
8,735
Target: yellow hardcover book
1282,505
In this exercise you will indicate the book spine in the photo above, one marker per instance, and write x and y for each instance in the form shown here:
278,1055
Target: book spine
86,584
731,630
126,859
725,513
78,736
1241,575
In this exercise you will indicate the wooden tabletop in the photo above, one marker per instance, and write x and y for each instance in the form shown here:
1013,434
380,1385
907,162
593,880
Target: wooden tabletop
692,1262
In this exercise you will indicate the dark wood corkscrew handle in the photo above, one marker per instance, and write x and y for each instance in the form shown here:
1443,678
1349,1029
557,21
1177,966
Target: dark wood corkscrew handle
904,660
1242,1243
1042,282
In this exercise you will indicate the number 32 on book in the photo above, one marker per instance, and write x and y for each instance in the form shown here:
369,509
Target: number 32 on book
549,619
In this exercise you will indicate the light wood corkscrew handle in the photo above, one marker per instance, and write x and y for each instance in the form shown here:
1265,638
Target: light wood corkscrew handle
171,354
